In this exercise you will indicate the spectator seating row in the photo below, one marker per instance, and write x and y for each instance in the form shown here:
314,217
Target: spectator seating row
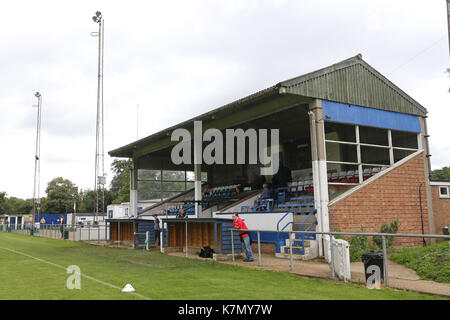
210,197
188,209
220,192
351,176
290,198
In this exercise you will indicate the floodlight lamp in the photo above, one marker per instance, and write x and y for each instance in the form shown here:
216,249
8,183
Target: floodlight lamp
94,18
37,94
98,14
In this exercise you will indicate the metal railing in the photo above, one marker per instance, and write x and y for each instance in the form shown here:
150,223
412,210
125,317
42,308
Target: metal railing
332,235
99,232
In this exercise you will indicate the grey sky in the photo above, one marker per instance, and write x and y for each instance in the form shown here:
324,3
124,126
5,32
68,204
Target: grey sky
178,59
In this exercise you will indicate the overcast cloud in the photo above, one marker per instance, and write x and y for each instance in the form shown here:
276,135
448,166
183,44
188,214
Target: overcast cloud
178,59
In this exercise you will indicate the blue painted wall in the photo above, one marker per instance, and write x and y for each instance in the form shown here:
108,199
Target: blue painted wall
143,227
351,114
226,239
50,218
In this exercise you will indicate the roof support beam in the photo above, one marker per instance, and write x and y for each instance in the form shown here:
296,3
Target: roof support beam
230,119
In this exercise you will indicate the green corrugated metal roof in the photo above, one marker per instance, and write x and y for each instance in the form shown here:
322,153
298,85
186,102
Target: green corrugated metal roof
352,81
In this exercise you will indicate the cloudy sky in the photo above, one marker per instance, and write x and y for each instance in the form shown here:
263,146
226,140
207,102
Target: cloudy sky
178,59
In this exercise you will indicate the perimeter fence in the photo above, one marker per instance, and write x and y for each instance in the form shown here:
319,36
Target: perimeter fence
337,256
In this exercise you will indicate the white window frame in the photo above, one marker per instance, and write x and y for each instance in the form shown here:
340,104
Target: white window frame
359,162
444,196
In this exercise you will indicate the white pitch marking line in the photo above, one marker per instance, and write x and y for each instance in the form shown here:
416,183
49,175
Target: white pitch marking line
83,275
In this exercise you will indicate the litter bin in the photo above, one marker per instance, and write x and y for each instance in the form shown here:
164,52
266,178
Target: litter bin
373,258
66,234
445,230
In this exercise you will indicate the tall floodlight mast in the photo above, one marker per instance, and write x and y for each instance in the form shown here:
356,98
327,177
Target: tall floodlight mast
37,162
100,178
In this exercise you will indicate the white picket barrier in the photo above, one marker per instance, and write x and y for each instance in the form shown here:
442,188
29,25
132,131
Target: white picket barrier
341,259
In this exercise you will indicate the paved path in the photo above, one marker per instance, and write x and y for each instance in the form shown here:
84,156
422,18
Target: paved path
399,276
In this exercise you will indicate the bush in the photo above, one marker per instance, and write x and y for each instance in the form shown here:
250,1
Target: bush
392,228
362,244
358,245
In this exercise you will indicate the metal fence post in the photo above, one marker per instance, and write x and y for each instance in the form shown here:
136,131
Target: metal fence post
333,274
232,244
291,258
186,239
147,240
386,277
259,250
89,232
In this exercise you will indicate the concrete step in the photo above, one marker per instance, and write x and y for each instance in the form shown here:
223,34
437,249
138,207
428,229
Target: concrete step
297,226
296,242
298,252
295,250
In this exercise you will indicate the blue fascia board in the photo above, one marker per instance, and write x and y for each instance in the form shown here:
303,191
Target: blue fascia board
364,116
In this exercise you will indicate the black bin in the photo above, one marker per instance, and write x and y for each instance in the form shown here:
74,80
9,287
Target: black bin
373,258
66,234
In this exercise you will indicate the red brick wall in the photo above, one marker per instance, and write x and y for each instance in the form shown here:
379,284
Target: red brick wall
265,247
441,210
395,195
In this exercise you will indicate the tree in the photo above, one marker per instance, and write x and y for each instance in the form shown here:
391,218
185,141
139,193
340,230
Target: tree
60,196
3,208
441,174
86,201
19,206
120,184
14,205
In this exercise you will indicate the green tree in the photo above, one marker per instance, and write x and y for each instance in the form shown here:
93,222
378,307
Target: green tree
3,208
86,201
120,184
19,206
441,174
60,196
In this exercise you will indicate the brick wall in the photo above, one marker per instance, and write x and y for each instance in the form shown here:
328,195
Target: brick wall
265,247
441,210
395,195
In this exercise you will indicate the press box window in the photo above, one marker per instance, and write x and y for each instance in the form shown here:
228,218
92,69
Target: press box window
341,152
403,139
375,136
340,132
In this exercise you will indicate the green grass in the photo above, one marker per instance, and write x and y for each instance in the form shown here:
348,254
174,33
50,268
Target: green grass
154,275
430,262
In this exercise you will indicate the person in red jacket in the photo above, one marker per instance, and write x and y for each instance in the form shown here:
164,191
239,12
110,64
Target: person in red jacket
238,223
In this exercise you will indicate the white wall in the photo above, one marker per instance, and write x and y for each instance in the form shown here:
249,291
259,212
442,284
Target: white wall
249,202
83,218
262,221
123,210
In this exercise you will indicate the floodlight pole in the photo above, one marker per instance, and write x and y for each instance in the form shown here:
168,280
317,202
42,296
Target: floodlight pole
448,22
37,163
100,145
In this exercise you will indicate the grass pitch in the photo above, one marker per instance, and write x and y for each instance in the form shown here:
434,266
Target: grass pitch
35,268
